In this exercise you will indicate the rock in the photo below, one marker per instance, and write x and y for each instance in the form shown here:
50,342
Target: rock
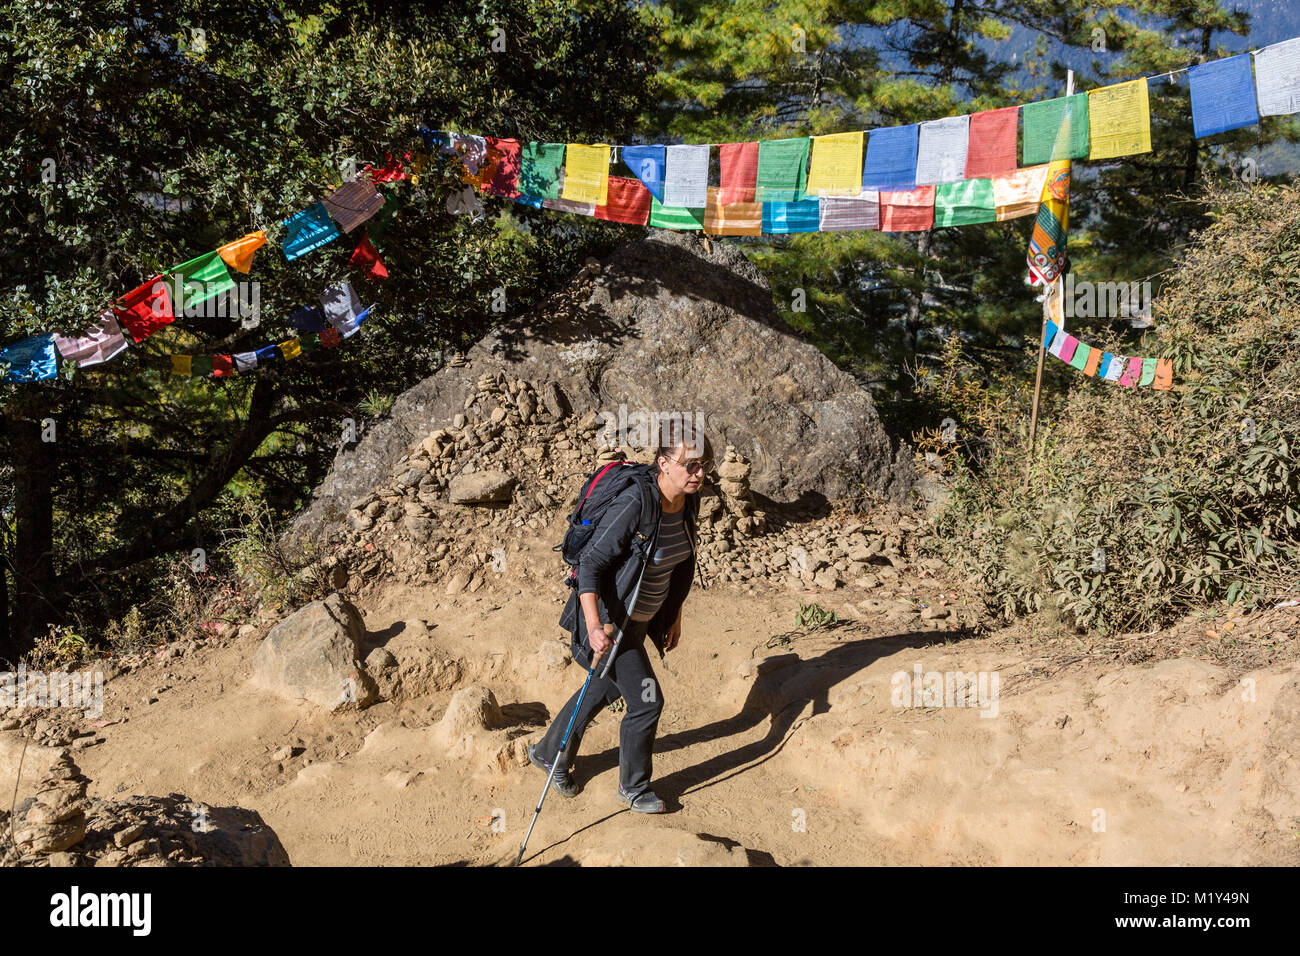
472,709
282,753
124,838
380,661
313,654
935,613
481,487
694,319
827,579
553,656
457,582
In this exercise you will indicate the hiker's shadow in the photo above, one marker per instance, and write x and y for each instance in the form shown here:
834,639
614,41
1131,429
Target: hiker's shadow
783,687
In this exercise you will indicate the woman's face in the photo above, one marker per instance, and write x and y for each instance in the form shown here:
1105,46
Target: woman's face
684,471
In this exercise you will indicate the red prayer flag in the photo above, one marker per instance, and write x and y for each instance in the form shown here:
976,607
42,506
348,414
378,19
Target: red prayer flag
391,170
628,202
738,171
991,147
222,365
145,310
367,256
330,338
506,174
910,211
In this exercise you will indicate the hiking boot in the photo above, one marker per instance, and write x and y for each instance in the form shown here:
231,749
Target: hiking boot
643,802
560,782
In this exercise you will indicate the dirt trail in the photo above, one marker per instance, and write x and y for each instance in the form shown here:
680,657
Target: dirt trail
798,754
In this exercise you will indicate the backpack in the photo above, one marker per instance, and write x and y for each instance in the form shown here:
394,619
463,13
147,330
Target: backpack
597,494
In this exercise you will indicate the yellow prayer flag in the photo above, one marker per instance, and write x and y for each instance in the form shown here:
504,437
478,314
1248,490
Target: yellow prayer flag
290,348
836,165
181,364
586,173
1017,193
736,219
239,254
1119,120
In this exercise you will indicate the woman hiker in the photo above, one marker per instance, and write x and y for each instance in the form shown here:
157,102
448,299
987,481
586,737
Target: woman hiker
684,457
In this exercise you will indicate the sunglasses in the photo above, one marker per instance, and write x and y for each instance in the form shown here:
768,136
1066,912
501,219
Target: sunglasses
695,466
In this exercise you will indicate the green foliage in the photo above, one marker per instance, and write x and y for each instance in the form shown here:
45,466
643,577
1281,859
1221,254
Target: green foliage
1142,506
279,578
814,616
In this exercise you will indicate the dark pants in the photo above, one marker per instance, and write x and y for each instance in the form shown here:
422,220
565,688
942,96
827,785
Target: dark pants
631,678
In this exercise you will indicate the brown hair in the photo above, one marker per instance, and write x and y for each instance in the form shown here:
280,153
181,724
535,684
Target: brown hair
679,431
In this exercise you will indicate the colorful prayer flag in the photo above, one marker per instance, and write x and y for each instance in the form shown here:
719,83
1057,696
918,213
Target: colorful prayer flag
145,309
366,257
1223,95
1082,356
738,172
1018,192
1119,120
675,217
782,169
222,366
353,203
686,176
239,254
1043,121
539,170
732,219
339,304
586,174
629,202
941,150
907,210
786,217
647,165
964,203
1164,374
307,319
890,164
308,230
836,168
199,280
94,346
181,364
504,181
1277,78
991,149
1148,374
29,360
839,214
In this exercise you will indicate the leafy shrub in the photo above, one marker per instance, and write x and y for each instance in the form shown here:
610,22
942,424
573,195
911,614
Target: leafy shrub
1143,505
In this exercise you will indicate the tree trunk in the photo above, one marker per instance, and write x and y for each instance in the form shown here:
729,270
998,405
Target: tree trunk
36,597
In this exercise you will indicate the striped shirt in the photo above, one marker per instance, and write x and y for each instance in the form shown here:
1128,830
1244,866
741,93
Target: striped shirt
671,549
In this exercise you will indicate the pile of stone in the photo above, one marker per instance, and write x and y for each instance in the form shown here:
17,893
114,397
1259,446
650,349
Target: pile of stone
508,467
61,826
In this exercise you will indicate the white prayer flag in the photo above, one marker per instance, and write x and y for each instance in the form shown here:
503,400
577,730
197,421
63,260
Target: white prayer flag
686,177
941,150
1277,78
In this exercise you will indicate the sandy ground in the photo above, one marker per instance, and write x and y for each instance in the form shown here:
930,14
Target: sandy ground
818,750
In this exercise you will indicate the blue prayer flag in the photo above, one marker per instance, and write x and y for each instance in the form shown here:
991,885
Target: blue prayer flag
308,230
647,165
785,217
1223,95
29,360
308,319
891,159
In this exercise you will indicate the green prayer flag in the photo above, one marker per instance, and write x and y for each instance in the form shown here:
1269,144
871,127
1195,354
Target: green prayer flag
193,283
782,169
675,217
539,170
964,202
201,366
308,340
1043,120
378,224
1081,355
1148,371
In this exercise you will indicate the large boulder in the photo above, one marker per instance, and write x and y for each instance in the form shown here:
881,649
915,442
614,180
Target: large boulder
314,654
673,323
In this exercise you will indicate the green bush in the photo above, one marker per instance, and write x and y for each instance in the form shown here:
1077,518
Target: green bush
1143,505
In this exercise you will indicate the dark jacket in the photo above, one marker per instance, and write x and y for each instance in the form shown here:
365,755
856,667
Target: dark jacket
615,560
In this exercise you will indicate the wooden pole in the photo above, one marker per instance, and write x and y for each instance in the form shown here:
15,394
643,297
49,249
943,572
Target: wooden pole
1042,342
